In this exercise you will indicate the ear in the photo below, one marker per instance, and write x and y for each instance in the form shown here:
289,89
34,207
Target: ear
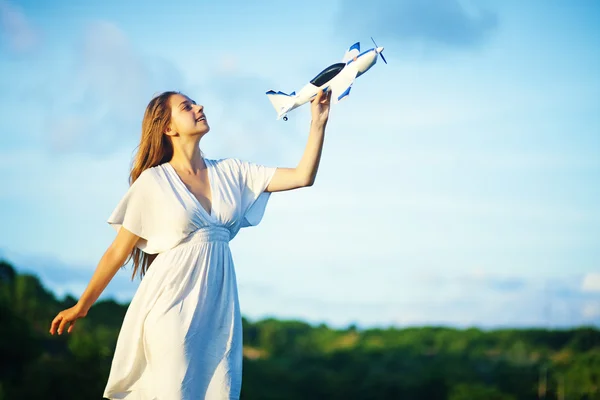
169,131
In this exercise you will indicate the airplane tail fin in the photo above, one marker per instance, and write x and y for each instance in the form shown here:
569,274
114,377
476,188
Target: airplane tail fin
282,102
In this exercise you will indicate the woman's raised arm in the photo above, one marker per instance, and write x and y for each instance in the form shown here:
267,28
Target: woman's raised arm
305,173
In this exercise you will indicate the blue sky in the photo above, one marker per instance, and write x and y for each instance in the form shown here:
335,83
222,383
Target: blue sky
460,183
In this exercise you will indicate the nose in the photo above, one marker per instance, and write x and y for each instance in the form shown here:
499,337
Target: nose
379,49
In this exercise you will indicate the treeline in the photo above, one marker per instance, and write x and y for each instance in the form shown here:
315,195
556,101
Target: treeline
294,360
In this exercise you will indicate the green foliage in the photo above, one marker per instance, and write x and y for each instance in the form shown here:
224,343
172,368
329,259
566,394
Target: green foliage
294,360
478,391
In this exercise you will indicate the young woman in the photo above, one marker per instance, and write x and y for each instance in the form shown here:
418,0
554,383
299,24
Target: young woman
182,335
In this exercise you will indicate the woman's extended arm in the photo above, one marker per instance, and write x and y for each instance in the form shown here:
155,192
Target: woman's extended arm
306,171
113,259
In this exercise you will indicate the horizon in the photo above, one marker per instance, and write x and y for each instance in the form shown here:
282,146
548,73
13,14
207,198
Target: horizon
350,326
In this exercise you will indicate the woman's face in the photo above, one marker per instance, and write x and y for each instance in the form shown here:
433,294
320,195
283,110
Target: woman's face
187,118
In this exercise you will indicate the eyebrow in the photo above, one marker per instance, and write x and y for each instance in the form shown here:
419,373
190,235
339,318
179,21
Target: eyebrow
185,102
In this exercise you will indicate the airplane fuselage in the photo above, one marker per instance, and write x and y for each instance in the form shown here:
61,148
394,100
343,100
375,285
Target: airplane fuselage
363,62
366,60
337,77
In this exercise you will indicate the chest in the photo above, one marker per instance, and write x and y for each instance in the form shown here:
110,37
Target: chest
202,191
199,186
209,196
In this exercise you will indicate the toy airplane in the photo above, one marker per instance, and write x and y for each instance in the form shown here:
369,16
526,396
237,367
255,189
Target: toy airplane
338,78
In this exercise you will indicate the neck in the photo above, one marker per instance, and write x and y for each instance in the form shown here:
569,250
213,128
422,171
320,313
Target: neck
187,155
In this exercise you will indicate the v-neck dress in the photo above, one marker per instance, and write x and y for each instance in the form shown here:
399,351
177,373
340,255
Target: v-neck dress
182,334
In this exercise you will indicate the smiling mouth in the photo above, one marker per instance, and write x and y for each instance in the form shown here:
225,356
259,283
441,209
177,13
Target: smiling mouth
201,119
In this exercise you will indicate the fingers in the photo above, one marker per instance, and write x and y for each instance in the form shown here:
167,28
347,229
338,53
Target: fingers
55,323
318,97
71,327
61,327
59,323
321,98
324,99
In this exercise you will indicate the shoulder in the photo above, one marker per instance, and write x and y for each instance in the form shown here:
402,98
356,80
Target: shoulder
240,167
223,162
149,174
148,177
232,163
227,165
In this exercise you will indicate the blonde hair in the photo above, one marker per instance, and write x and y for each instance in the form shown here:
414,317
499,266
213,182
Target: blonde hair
155,148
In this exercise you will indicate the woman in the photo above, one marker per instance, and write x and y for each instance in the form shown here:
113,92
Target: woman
182,335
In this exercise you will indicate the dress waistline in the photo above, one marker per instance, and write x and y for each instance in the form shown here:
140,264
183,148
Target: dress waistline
207,234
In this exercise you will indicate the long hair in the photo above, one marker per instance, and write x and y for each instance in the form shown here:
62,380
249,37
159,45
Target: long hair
155,148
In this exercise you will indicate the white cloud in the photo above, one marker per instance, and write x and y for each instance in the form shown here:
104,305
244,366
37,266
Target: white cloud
591,282
591,310
381,301
103,99
440,23
104,92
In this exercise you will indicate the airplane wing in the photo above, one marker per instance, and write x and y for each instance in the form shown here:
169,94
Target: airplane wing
340,85
352,52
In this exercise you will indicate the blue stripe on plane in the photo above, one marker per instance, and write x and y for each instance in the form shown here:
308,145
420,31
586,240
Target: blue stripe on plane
281,93
365,52
346,93
354,46
361,54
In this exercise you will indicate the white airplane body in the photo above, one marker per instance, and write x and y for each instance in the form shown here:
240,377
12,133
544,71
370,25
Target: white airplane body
338,78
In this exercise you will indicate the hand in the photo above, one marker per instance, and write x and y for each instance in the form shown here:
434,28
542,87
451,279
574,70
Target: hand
69,315
320,107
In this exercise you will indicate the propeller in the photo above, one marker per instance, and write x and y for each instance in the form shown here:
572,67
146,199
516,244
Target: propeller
380,51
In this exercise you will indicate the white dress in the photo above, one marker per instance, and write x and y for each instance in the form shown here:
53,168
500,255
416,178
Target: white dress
181,338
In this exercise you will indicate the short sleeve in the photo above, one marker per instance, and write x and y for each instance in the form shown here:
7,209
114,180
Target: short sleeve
141,211
255,179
